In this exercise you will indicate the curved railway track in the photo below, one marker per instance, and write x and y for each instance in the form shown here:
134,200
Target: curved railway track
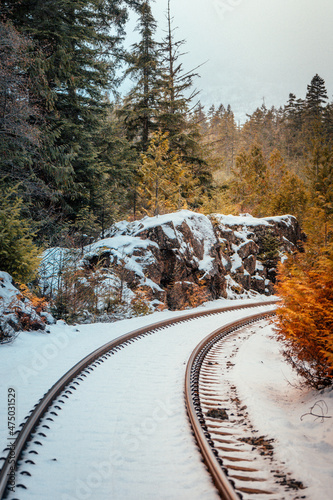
201,428
66,384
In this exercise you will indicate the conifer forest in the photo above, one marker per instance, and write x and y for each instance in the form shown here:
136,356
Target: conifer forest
77,156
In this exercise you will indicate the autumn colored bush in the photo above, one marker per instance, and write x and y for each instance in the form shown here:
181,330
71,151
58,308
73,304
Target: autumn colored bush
40,304
185,294
305,318
140,303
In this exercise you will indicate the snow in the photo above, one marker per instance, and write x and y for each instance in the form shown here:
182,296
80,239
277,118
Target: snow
126,244
199,225
276,399
236,260
241,220
8,292
259,266
175,218
133,247
118,409
13,306
130,412
249,220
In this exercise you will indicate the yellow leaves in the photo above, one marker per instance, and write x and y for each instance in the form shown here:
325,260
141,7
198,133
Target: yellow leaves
164,180
266,187
40,304
305,320
140,303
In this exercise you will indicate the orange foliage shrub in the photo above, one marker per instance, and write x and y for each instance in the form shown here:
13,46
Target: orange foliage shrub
40,304
185,294
140,303
305,319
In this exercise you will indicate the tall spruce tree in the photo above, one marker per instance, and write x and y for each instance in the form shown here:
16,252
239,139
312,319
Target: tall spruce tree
19,134
140,105
314,129
316,97
80,42
175,83
176,105
176,94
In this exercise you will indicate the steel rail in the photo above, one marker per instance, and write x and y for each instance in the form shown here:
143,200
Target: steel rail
40,408
192,402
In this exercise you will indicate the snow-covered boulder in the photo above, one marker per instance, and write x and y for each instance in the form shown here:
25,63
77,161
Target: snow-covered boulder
253,246
17,312
165,253
179,259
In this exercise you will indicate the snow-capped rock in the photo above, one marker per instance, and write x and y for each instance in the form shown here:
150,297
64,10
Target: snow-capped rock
17,312
245,243
183,258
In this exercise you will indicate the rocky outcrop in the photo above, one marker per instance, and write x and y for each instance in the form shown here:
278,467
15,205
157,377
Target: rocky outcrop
180,256
17,311
174,256
182,259
252,248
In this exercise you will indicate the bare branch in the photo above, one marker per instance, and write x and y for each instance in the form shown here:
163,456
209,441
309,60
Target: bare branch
321,407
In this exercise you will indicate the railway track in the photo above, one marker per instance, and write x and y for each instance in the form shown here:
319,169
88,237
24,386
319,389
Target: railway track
238,459
67,384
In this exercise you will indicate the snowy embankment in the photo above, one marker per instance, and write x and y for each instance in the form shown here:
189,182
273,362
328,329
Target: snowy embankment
175,260
130,414
17,311
136,400
279,406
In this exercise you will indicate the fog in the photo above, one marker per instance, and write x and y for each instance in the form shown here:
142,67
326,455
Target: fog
256,50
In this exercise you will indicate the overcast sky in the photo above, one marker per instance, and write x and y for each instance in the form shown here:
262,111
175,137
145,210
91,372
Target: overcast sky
255,49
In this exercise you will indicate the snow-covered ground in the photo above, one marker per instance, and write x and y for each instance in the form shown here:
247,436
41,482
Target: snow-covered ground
129,413
279,405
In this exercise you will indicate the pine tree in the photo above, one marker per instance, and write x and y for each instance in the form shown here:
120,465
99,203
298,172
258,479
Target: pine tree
292,130
112,197
294,111
288,193
223,139
316,97
80,44
320,217
177,91
175,109
140,105
250,184
18,253
20,136
164,179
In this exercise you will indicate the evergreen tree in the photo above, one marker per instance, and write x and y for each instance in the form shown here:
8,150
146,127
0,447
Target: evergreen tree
314,128
316,97
249,185
223,139
177,91
176,103
80,45
18,254
112,197
292,130
140,105
20,135
164,179
290,196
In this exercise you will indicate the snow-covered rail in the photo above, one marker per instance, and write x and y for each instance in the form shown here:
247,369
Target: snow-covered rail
67,384
215,436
